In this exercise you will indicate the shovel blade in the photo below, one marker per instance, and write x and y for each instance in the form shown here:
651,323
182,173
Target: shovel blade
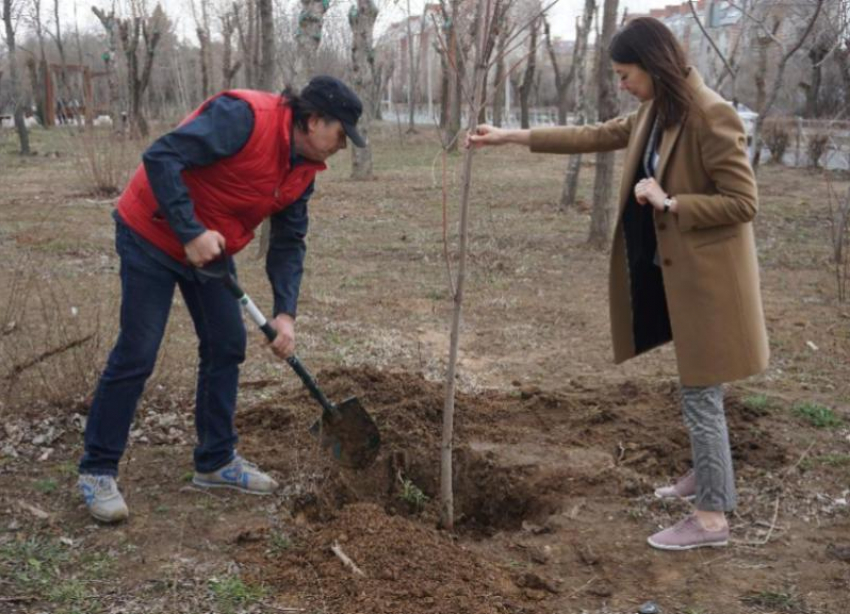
349,433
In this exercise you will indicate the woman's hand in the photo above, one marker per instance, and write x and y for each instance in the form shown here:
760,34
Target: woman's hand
284,344
487,135
648,191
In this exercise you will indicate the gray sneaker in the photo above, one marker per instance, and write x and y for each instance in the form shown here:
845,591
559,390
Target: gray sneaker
102,497
687,534
684,488
240,475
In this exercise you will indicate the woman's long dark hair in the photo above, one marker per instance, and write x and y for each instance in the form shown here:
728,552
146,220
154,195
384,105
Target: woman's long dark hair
647,42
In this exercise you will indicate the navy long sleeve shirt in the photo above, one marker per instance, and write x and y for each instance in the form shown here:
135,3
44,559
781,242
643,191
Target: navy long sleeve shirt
220,131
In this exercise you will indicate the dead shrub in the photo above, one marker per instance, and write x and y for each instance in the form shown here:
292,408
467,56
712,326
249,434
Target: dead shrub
105,160
816,146
56,329
776,136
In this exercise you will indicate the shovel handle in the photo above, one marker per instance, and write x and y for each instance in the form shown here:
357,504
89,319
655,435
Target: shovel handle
251,307
311,384
271,334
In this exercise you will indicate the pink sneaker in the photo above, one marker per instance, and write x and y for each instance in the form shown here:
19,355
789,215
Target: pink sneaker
687,534
684,488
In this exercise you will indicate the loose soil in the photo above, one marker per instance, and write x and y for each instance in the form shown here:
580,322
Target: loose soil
556,452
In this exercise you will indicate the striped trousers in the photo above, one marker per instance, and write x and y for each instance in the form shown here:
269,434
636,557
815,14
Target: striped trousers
702,408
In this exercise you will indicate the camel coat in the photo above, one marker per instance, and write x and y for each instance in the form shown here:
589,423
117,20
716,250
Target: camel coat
691,276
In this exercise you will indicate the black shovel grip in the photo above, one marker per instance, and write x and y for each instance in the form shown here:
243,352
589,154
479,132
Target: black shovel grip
310,383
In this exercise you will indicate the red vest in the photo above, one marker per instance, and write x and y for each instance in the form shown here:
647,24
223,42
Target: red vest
234,194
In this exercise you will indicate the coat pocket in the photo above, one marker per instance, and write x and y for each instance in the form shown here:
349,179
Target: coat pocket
707,236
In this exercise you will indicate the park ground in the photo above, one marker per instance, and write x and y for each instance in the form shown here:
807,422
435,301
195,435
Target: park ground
557,449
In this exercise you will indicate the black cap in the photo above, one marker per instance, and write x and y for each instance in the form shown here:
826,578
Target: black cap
334,98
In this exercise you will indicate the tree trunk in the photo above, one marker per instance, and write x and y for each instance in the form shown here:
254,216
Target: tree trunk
817,54
445,92
309,36
362,18
412,76
36,69
204,53
570,191
528,78
483,35
562,81
456,72
228,68
246,27
761,72
267,64
842,57
457,102
500,77
64,89
602,216
23,135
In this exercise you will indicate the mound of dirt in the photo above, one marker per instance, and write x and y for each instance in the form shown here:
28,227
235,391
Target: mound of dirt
397,557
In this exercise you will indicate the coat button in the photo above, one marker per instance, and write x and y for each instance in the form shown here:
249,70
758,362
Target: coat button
667,262
662,226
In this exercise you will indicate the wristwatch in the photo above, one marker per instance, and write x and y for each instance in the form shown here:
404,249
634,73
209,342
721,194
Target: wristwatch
667,202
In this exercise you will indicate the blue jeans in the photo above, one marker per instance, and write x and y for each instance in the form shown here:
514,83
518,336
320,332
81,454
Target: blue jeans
147,291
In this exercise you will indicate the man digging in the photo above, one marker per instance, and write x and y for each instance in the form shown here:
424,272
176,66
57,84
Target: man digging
242,157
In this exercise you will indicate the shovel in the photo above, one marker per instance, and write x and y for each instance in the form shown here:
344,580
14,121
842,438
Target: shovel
346,429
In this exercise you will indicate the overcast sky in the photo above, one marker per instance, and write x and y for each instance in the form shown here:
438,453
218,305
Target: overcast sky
562,15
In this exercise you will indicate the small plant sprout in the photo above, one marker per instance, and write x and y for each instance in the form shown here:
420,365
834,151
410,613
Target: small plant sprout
411,493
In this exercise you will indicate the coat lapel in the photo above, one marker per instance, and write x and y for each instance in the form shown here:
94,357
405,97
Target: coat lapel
634,153
668,141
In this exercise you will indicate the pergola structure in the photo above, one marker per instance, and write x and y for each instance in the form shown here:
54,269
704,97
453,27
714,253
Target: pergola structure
51,72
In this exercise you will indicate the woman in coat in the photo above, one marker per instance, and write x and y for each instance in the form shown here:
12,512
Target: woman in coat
683,262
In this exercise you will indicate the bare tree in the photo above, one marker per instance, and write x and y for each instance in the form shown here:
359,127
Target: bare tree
129,31
563,80
826,39
602,215
110,24
485,21
9,21
729,63
202,31
366,80
769,34
583,24
528,76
